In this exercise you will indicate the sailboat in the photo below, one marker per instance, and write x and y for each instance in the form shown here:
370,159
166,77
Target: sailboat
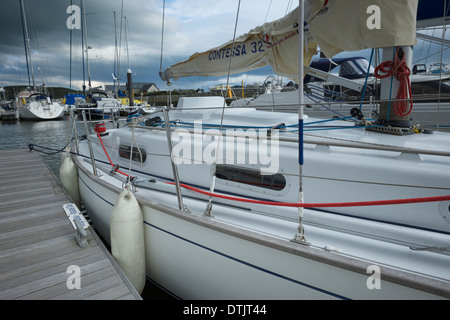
212,202
35,103
430,93
96,103
7,111
351,81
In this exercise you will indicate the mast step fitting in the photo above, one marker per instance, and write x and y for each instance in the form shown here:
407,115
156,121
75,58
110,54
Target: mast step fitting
399,131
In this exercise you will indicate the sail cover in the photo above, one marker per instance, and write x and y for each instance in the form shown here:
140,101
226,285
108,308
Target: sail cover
334,25
351,25
274,43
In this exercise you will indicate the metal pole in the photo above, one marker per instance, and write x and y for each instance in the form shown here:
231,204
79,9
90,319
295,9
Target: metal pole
75,131
300,237
85,41
130,89
27,45
174,167
389,90
94,167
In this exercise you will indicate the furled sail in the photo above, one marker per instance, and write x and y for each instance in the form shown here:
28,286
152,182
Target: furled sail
274,43
334,25
351,25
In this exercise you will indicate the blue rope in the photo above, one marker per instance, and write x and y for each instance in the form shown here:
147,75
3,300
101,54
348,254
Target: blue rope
367,77
390,91
329,109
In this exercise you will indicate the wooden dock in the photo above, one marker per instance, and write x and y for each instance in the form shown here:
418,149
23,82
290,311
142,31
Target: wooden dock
39,255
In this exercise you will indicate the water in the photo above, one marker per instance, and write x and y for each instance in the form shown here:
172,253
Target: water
49,138
49,134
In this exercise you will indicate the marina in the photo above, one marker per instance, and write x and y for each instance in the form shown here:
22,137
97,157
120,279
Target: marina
335,187
38,246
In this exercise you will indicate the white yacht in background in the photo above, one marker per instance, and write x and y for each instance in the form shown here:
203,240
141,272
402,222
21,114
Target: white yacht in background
38,106
35,104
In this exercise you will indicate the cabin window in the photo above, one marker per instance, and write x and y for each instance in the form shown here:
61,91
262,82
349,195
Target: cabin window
251,177
138,155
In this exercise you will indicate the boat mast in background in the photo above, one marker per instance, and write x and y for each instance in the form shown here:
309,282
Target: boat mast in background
26,40
85,49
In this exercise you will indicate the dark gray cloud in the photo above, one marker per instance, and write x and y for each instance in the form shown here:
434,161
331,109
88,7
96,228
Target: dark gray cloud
191,26
50,40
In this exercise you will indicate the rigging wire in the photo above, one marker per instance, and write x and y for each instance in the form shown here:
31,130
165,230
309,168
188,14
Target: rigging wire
322,205
288,7
272,203
70,59
444,29
209,205
120,47
367,78
26,41
162,37
267,13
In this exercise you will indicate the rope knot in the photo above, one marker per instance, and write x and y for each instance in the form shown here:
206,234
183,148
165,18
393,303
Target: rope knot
400,70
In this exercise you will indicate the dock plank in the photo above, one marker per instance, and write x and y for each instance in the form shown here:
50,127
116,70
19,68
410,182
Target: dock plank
37,242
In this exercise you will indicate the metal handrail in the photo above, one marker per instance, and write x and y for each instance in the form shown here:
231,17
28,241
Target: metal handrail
308,139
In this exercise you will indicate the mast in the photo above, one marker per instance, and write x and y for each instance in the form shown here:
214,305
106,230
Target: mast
85,41
126,40
390,87
26,40
70,59
82,49
120,47
115,76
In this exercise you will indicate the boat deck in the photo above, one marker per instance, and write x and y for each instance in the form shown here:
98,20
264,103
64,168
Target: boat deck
37,240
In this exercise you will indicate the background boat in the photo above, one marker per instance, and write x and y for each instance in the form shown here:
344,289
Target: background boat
35,104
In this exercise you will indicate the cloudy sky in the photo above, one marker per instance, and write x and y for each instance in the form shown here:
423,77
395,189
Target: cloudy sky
190,26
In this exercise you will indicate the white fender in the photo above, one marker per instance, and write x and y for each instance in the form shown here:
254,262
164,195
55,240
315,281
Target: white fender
68,175
127,238
65,154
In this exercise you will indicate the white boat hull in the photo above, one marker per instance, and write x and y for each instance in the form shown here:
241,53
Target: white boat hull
432,115
197,257
245,250
34,111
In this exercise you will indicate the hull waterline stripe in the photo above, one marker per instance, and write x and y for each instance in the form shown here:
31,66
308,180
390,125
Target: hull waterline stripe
248,264
111,204
230,257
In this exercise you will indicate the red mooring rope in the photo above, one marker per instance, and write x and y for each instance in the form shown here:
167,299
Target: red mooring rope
297,205
104,149
321,205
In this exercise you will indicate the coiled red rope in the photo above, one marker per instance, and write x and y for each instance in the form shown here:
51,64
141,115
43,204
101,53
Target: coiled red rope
400,70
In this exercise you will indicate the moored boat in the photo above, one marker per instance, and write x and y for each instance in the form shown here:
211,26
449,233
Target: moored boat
249,204
253,240
38,106
35,104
